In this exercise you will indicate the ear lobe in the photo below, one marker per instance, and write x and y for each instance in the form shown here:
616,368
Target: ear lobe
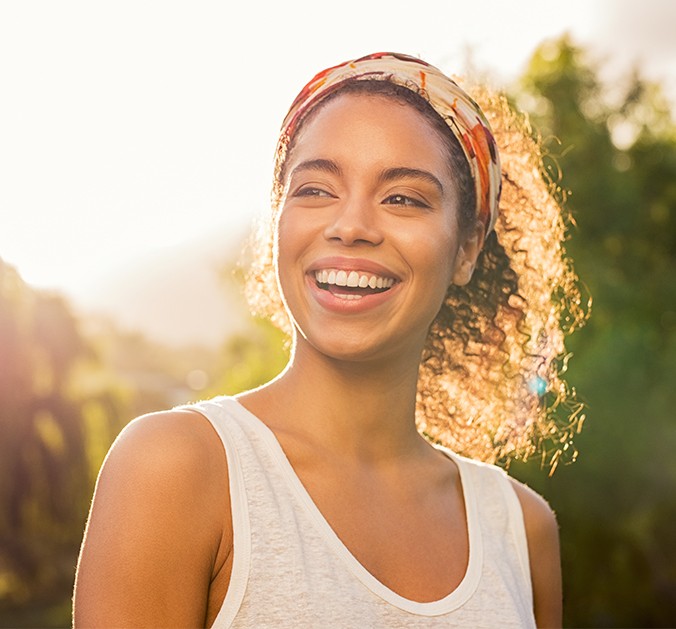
467,255
463,272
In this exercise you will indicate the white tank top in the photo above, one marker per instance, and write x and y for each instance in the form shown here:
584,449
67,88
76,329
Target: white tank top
290,570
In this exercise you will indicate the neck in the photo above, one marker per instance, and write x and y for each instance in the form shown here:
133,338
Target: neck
364,409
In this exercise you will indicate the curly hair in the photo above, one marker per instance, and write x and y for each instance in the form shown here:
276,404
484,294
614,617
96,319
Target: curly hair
490,383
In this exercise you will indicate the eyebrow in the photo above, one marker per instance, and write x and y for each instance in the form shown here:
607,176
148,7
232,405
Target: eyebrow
387,175
392,174
321,165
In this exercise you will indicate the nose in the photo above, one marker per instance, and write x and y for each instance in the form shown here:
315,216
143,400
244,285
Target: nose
354,222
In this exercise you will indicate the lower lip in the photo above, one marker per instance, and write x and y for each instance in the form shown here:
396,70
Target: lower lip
329,301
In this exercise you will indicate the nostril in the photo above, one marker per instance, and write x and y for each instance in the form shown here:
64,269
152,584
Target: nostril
351,228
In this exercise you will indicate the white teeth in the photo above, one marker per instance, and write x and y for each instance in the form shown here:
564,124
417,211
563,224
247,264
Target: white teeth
341,278
353,279
348,296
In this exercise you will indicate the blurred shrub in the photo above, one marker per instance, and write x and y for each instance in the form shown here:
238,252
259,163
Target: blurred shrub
612,149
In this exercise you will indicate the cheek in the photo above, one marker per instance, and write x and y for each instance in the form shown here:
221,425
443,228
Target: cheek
281,251
288,248
435,253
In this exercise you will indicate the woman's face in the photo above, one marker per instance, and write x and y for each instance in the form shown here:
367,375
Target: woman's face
368,239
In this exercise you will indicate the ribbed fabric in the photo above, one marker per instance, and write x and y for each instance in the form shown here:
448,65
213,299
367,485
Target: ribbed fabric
290,570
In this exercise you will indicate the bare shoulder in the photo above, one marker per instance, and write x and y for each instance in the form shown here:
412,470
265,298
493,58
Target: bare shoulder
542,533
538,515
155,533
171,455
177,443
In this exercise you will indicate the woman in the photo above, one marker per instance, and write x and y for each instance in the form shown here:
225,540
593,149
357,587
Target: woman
409,298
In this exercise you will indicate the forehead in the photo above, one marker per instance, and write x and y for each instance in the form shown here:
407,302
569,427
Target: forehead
364,124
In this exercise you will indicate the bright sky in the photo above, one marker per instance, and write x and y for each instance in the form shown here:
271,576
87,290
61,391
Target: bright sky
130,126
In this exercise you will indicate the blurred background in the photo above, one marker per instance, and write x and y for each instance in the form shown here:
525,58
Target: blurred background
136,144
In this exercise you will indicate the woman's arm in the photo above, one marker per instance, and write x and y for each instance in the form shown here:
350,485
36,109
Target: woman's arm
154,536
542,533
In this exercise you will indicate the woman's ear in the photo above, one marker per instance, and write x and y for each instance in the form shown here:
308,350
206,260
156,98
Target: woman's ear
468,252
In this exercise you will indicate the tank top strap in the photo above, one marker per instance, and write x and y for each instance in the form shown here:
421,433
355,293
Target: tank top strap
501,519
222,414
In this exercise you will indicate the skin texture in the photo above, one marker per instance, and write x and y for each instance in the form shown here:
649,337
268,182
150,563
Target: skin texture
158,547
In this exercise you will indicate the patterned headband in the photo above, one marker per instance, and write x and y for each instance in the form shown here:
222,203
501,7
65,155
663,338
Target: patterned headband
462,115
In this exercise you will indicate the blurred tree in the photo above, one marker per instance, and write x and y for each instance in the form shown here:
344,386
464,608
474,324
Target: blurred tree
51,430
612,150
42,467
251,359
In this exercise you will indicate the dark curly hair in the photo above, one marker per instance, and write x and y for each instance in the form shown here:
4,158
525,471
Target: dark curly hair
490,382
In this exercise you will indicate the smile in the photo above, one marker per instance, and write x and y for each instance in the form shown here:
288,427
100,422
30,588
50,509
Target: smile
352,285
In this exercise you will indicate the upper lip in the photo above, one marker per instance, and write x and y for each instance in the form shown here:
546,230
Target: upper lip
352,264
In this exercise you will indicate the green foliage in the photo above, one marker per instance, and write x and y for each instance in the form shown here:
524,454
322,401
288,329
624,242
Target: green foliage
45,472
613,152
251,359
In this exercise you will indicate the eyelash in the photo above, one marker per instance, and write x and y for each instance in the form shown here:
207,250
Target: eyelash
405,201
311,192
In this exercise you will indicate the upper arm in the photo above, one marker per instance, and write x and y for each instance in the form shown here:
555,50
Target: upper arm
542,533
155,528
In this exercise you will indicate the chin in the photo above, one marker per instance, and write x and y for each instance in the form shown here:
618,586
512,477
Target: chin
357,349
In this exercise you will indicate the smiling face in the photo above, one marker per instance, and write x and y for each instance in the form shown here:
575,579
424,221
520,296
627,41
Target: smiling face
368,239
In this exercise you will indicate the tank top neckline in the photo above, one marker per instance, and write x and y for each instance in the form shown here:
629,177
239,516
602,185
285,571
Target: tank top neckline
448,603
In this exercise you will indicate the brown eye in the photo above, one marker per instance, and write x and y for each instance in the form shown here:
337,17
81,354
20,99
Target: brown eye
401,199
310,191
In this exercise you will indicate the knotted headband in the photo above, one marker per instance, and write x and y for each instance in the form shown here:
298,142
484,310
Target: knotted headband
462,115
